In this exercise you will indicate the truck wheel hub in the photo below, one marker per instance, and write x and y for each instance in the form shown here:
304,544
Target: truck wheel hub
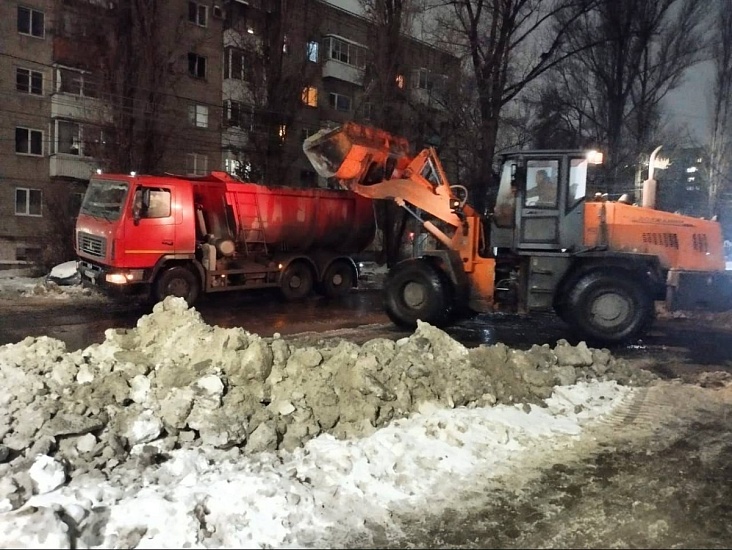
295,282
337,279
610,309
178,287
414,295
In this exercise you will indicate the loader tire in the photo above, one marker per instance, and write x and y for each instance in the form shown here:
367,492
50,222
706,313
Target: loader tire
609,307
296,282
177,281
338,279
417,290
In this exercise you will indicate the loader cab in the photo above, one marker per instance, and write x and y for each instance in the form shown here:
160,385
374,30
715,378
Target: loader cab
540,200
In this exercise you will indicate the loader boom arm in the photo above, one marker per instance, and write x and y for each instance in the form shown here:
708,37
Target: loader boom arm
376,164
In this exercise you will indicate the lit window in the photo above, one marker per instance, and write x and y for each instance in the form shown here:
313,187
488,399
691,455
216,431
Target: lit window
198,115
400,81
28,141
31,22
196,165
312,51
29,82
310,96
282,131
196,65
692,178
28,202
285,45
691,169
197,13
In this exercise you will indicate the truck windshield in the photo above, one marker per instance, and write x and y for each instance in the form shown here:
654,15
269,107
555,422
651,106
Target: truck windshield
105,199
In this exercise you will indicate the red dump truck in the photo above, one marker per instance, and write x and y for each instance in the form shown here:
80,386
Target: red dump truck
186,236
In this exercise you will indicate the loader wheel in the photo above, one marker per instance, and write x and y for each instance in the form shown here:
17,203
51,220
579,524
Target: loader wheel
177,281
338,279
415,289
609,307
296,282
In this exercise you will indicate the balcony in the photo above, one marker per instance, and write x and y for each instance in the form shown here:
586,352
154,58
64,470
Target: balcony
72,166
76,107
235,138
343,71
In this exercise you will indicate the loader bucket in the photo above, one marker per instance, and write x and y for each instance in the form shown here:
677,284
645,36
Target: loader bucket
354,153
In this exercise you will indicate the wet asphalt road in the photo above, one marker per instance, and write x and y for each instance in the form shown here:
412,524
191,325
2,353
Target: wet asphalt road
679,348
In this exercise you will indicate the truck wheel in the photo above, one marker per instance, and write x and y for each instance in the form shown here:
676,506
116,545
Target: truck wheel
177,281
415,289
609,307
338,279
296,282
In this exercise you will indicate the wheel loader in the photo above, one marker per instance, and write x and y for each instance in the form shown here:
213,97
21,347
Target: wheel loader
599,264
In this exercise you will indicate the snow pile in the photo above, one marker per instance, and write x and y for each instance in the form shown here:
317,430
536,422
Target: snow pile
157,419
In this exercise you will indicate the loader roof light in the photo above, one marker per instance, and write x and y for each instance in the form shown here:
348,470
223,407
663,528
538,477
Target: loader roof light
594,157
133,174
99,170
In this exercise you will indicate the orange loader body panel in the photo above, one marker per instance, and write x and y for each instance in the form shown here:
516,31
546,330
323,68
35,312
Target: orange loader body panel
679,242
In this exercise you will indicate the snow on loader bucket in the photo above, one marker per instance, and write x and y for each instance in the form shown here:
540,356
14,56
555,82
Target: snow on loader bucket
356,154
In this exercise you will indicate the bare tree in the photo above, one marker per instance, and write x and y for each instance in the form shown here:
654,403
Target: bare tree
630,54
720,142
508,44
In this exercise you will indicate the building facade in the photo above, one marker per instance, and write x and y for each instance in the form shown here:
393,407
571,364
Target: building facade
185,87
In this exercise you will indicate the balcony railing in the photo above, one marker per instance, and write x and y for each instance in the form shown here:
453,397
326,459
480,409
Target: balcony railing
343,71
71,166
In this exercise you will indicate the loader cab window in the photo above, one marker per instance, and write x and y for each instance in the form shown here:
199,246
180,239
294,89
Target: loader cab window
542,183
577,181
151,202
505,209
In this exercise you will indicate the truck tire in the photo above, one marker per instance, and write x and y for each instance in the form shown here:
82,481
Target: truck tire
296,282
338,279
415,289
177,281
609,306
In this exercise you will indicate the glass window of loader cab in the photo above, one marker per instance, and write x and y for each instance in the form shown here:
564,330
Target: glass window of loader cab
105,198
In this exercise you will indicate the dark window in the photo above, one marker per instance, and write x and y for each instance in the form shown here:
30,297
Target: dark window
339,102
29,82
28,142
196,65
27,202
197,13
30,22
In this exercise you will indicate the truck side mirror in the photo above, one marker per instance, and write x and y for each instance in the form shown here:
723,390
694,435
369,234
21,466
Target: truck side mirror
140,204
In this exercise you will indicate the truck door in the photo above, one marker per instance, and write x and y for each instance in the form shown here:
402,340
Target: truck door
150,229
539,210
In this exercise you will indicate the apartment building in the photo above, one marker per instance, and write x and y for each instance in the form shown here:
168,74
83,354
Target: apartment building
319,62
93,85
188,87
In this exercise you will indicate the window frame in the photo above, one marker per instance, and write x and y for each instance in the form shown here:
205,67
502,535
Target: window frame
312,51
29,82
196,59
27,212
29,140
310,96
31,12
196,20
196,158
333,98
198,115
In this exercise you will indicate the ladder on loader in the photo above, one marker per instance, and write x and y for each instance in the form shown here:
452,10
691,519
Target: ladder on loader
252,230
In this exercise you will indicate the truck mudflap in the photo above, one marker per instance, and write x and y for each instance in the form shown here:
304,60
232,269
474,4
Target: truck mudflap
699,290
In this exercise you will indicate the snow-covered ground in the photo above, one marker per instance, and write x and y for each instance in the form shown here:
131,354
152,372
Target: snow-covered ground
200,490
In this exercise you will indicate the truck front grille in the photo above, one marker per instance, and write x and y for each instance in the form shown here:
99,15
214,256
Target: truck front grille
92,245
